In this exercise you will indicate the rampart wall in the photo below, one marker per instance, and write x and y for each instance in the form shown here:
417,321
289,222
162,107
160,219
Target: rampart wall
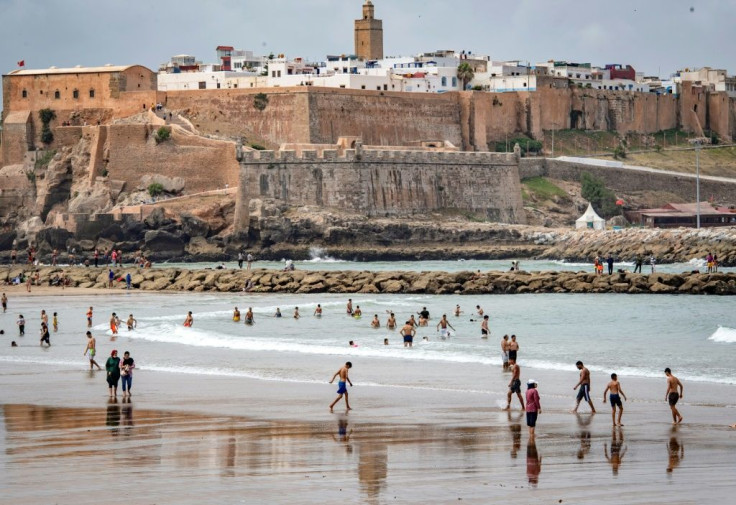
205,164
384,183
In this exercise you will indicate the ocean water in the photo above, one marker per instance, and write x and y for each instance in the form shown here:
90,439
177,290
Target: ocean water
322,262
635,335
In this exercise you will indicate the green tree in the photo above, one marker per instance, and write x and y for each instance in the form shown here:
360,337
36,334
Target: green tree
46,116
595,191
465,73
155,189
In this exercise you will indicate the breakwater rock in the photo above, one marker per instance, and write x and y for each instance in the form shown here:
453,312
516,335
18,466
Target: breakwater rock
302,281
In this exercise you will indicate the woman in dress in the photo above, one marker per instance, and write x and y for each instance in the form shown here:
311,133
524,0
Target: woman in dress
113,372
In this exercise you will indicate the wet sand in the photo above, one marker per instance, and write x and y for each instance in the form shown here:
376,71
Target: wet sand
188,439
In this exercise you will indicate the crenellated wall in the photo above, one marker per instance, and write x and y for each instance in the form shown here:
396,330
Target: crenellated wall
384,183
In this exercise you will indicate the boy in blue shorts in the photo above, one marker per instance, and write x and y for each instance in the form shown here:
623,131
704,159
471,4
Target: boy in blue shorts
341,387
616,393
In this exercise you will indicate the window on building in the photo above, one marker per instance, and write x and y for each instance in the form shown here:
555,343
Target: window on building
378,88
342,86
695,108
235,86
362,86
202,84
385,87
279,72
524,85
57,94
24,94
218,85
75,94
454,82
92,93
444,81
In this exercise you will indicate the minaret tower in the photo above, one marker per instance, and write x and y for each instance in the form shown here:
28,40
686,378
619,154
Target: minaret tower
369,35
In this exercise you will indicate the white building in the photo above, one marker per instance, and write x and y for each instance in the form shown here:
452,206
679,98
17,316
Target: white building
712,78
183,81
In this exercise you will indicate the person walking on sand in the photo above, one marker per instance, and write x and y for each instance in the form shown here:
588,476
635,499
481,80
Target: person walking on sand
91,350
89,318
616,393
443,325
44,318
189,321
126,373
505,351
408,332
21,325
674,393
514,385
584,385
55,322
112,366
4,300
533,406
341,387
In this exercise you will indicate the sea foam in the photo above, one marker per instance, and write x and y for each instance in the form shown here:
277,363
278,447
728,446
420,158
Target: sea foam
724,334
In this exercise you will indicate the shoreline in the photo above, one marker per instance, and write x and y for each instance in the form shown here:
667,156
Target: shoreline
390,282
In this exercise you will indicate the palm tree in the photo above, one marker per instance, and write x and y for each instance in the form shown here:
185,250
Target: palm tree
465,73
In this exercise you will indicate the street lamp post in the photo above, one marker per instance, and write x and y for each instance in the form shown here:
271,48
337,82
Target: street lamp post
697,183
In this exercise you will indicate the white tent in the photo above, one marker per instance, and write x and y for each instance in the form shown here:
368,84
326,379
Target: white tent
591,220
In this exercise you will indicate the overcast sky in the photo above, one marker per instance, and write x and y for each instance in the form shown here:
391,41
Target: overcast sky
655,36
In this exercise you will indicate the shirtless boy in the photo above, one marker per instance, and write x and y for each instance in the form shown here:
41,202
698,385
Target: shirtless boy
132,322
318,311
484,330
114,324
443,325
89,318
674,393
341,388
505,351
92,350
616,393
513,348
584,385
375,323
514,385
408,333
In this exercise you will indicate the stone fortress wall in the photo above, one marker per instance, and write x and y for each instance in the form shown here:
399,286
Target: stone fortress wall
380,183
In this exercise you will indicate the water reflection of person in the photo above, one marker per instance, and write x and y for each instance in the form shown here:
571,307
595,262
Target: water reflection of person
584,422
676,452
533,463
112,419
515,428
127,414
342,431
617,450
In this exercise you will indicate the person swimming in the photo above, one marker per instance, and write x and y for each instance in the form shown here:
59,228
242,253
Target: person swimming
236,315
249,319
189,321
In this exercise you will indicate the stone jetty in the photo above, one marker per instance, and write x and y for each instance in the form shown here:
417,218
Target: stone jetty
458,283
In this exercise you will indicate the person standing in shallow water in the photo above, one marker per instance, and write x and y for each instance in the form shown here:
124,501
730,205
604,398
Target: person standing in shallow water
533,407
673,395
616,393
91,350
112,366
341,385
126,373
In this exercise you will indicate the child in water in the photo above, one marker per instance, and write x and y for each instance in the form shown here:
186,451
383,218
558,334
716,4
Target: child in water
189,321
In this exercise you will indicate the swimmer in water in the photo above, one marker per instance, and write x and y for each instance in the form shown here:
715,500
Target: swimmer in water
318,311
249,320
391,322
132,322
277,313
189,321
357,312
375,323
236,315
296,312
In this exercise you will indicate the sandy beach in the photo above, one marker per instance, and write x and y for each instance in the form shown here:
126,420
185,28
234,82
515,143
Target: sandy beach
191,438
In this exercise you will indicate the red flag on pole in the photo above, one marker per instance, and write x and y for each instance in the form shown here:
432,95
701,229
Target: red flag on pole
22,63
